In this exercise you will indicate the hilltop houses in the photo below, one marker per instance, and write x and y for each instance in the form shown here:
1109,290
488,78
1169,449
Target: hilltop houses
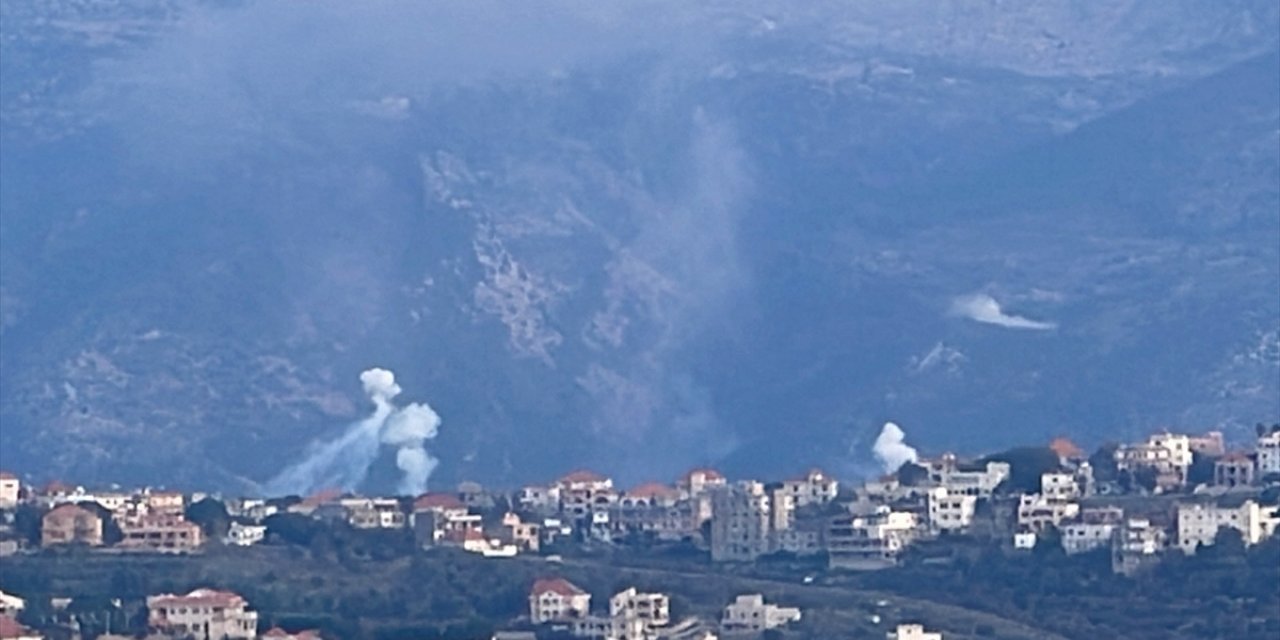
1184,490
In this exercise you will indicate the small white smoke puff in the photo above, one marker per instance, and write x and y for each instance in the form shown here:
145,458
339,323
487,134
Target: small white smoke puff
891,450
981,307
344,462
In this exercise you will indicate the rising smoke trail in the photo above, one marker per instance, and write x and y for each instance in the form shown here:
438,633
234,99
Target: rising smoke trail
891,449
344,463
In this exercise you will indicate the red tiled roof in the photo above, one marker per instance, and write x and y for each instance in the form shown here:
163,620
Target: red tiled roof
69,510
582,475
428,501
1235,456
207,597
11,628
1066,448
5,475
556,585
652,490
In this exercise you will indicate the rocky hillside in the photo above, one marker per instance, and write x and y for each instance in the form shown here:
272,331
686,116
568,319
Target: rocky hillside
743,234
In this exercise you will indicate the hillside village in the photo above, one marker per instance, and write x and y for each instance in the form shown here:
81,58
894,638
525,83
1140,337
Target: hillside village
1141,502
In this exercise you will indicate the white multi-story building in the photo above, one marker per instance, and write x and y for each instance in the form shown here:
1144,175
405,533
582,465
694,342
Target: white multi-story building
375,513
870,541
1079,537
1059,486
584,492
1169,454
947,472
1036,513
1269,453
700,481
245,535
252,509
1094,529
609,628
749,613
1198,523
10,490
815,487
556,600
913,632
203,613
653,609
540,500
1137,544
949,512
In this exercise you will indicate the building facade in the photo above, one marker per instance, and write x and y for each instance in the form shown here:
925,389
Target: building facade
1199,523
1037,513
160,532
1233,470
203,613
950,512
741,523
557,600
1137,545
245,535
1268,452
813,488
870,541
652,609
71,524
750,613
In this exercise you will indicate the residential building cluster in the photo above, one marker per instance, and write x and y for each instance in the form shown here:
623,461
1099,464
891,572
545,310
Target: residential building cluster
201,613
1170,493
557,604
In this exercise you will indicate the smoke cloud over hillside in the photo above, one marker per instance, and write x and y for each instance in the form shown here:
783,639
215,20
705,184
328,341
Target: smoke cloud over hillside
891,449
344,463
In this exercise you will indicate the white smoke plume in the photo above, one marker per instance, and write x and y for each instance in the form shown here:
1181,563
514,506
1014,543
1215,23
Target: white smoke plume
344,462
891,450
408,429
981,307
